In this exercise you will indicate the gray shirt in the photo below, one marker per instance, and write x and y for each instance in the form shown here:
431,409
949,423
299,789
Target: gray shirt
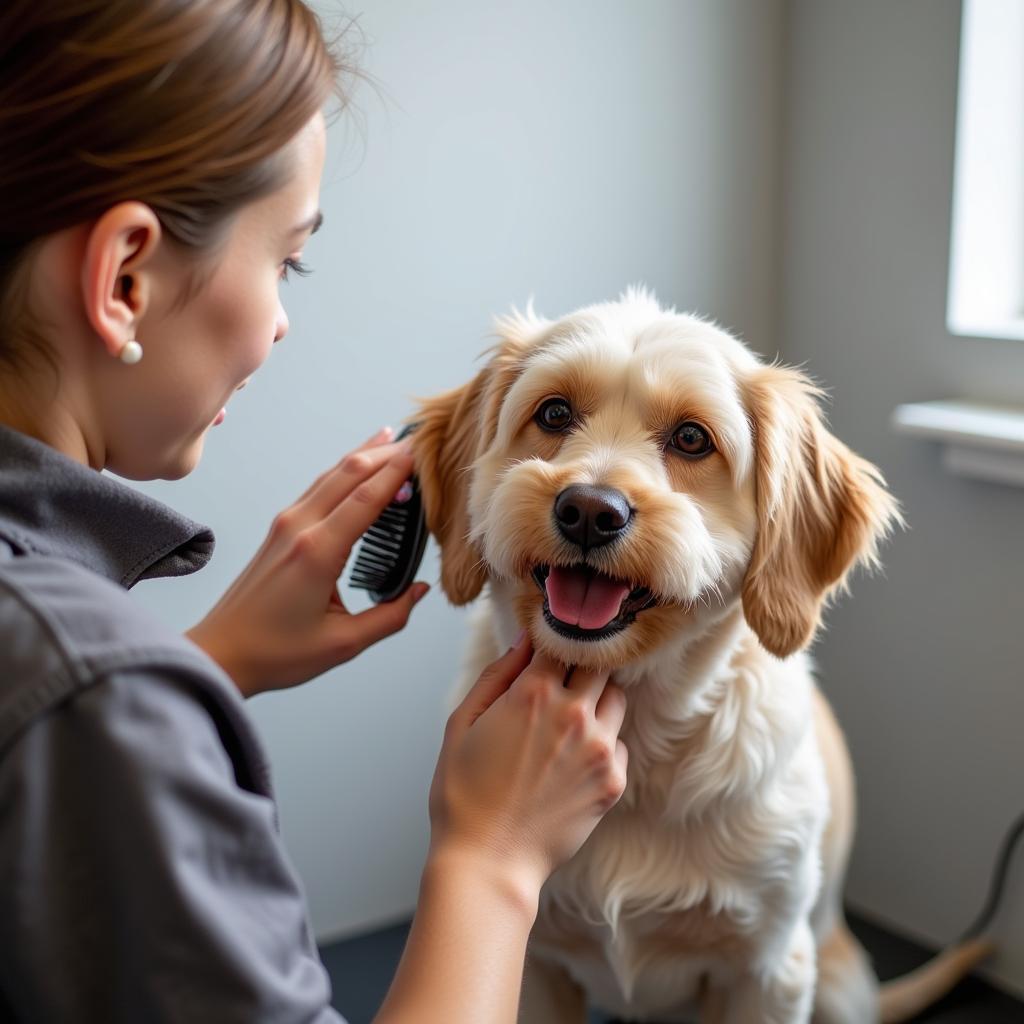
142,874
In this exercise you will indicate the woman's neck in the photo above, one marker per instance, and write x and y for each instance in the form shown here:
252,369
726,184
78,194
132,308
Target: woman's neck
56,427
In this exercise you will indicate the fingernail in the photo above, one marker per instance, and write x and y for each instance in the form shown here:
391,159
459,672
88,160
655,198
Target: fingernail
404,493
385,432
518,640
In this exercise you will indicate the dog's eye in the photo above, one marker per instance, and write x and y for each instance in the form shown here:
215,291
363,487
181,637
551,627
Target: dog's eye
691,439
554,414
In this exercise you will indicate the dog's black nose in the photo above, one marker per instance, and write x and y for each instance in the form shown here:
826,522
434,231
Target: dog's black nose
591,516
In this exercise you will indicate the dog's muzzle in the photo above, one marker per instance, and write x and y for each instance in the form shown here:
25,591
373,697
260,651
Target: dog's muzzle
581,603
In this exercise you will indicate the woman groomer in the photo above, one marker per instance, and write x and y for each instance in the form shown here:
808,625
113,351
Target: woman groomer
160,164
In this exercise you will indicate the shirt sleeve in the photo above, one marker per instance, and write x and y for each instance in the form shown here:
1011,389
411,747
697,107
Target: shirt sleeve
141,880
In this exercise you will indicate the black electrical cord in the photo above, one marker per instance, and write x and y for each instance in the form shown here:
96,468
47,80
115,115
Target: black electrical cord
998,882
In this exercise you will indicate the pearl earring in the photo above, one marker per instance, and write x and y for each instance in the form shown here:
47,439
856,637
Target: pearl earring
131,352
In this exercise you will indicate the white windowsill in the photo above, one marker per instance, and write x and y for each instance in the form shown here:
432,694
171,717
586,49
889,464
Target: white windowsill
981,441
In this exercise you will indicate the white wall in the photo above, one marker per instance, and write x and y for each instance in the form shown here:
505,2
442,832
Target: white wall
562,150
923,665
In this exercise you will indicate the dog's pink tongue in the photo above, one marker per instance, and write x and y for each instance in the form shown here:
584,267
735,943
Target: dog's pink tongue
583,600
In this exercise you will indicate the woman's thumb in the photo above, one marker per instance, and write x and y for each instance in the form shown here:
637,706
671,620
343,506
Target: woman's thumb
496,679
388,617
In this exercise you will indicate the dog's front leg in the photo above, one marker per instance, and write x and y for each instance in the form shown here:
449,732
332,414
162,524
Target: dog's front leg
780,994
549,995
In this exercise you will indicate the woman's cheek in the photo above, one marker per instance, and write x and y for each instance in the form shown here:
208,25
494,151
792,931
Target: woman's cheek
259,334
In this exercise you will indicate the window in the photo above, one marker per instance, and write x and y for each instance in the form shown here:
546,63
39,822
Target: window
986,274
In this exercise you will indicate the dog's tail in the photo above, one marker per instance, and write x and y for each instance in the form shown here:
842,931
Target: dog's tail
903,997
906,996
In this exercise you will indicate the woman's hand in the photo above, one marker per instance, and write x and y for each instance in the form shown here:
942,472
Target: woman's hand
282,621
531,761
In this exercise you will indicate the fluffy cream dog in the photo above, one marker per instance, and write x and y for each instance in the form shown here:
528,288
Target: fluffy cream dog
643,493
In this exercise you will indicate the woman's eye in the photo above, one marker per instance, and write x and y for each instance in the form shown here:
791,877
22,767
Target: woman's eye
296,265
691,439
554,414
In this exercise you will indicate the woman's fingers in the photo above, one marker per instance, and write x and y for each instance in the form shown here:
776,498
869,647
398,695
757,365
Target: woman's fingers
495,680
587,684
358,509
338,482
622,757
357,632
611,708
382,436
550,668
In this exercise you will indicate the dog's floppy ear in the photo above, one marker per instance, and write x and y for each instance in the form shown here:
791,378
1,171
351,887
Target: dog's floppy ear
445,446
455,428
821,509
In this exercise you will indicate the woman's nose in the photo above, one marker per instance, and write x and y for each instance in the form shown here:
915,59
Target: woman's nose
281,326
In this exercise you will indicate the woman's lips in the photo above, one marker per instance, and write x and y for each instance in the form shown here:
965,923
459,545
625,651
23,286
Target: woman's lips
219,418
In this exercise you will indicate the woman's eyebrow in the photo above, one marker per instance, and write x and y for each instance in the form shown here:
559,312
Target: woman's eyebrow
312,225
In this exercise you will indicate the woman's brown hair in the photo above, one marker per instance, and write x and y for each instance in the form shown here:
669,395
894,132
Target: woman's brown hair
184,105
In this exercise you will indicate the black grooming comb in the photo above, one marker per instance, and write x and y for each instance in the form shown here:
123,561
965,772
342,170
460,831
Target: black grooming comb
391,550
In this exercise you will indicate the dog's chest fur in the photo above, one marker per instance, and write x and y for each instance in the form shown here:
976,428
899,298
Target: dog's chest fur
648,907
712,852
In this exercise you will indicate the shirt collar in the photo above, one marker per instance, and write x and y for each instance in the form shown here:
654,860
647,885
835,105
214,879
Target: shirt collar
52,505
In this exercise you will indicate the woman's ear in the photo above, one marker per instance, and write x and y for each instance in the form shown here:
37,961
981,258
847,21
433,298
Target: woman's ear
454,429
115,289
821,509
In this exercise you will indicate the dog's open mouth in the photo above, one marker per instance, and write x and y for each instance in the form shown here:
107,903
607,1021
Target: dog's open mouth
584,604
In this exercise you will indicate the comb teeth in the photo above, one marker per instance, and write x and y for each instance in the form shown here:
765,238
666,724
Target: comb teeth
391,550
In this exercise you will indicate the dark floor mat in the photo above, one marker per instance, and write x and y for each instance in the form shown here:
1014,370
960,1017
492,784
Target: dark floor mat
361,970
